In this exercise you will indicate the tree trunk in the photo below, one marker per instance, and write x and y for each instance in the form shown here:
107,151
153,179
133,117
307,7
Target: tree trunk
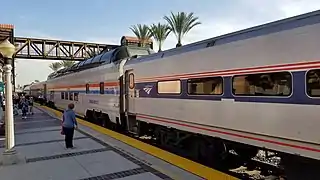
160,44
179,42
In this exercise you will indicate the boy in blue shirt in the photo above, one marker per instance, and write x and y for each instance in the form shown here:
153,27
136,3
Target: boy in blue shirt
69,123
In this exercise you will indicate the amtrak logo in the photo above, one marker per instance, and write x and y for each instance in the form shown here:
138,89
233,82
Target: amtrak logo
147,89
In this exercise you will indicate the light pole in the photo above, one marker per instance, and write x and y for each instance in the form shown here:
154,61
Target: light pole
9,156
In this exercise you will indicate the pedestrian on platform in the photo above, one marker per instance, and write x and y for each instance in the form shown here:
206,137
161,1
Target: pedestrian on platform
69,123
16,105
31,105
24,108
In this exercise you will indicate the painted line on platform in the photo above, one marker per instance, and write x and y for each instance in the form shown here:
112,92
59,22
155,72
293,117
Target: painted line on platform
37,131
183,163
118,175
45,142
67,155
26,122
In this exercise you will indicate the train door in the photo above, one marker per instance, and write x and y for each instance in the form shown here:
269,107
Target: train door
129,92
129,106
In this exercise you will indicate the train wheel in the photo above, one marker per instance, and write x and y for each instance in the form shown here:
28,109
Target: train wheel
88,115
106,121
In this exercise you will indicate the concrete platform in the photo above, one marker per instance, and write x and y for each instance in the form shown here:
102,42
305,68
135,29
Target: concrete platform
96,156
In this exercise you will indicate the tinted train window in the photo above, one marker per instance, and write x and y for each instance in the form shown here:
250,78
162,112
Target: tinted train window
131,81
76,96
313,83
263,84
205,86
97,58
120,54
66,95
87,88
70,96
62,95
101,88
106,57
88,61
169,87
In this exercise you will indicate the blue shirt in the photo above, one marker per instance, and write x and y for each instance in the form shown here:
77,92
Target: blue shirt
69,119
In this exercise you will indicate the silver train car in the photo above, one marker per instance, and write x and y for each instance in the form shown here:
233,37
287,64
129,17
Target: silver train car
254,89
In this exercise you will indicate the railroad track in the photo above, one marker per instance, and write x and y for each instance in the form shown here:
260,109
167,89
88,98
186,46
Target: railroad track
260,167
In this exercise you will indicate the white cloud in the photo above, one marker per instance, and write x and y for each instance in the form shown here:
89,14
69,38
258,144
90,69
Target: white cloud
246,14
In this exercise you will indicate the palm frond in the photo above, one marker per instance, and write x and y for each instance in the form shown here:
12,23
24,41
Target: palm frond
55,66
142,32
67,64
160,33
181,23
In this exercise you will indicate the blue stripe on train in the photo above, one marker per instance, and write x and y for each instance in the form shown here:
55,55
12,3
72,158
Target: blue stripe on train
298,97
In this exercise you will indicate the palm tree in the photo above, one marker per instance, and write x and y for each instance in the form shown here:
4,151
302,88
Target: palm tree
55,66
160,33
142,32
67,63
181,23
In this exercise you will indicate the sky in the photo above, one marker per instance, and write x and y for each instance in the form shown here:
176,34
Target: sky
104,21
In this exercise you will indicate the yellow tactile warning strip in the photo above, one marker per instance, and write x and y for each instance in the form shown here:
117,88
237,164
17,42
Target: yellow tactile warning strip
188,165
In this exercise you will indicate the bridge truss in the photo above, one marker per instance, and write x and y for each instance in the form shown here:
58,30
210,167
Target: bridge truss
32,48
48,49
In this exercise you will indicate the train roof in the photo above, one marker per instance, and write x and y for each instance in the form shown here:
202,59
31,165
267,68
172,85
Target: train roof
268,28
105,57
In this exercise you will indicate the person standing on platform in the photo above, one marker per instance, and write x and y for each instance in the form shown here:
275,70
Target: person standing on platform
16,105
69,123
24,108
31,105
2,107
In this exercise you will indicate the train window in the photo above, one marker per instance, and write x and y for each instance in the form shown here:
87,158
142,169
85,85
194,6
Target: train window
70,96
263,84
131,81
87,89
62,95
76,96
313,83
97,58
101,88
205,86
106,57
169,87
66,96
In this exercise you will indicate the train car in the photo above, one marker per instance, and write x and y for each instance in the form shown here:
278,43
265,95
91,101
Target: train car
92,85
250,90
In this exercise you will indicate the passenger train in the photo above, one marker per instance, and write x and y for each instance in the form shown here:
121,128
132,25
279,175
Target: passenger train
254,89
